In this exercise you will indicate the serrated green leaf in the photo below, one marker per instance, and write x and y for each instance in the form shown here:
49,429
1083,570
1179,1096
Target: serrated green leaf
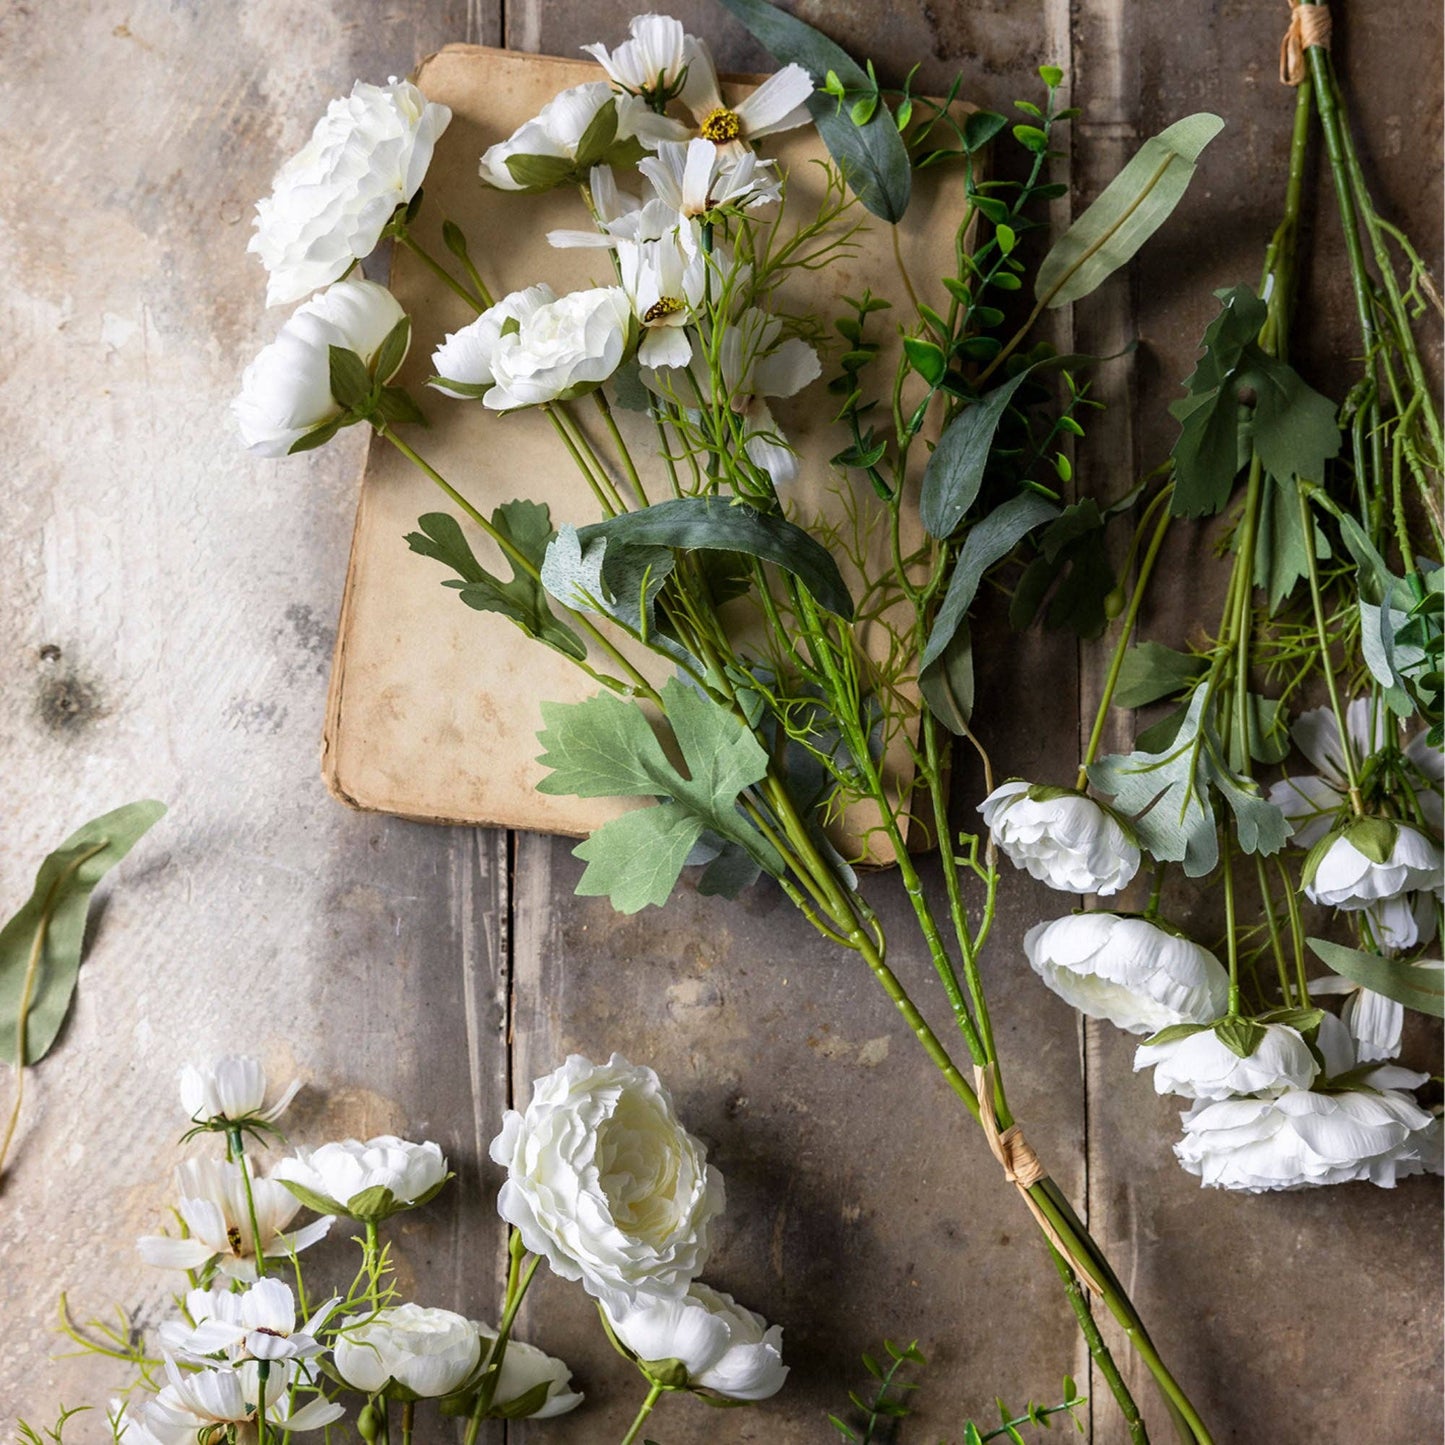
1151,671
1419,984
1073,555
41,944
1130,209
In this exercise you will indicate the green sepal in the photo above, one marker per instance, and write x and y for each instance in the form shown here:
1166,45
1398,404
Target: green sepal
670,1374
320,435
1374,837
392,351
351,382
476,389
1239,1035
524,1405
1173,1033
395,404
1304,1021
534,174
312,1200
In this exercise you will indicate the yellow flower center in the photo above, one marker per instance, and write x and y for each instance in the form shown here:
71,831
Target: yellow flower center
663,307
721,126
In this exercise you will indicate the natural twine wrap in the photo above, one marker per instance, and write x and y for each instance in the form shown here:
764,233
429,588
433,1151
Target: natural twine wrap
1021,1168
1308,25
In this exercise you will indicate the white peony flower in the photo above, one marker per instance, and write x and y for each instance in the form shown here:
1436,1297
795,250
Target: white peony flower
1300,1139
259,1323
652,63
1138,976
370,1181
1203,1066
604,1181
1343,876
556,144
665,281
561,349
331,201
286,390
463,362
228,1090
524,1368
721,1346
409,1352
199,1401
213,1207
1061,837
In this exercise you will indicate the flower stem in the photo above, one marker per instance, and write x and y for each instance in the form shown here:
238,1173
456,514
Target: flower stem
653,1396
519,1277
238,1149
408,1409
442,274
263,1375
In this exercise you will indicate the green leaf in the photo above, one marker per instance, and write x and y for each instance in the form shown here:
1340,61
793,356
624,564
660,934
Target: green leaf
597,139
40,947
947,684
1418,984
1031,138
321,1203
534,174
1240,1036
528,526
714,523
1072,553
954,473
605,747
980,127
1130,209
926,359
394,404
1151,671
525,1404
1172,1033
351,383
872,157
392,351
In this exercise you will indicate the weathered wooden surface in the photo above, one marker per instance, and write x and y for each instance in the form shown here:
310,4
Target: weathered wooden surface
166,620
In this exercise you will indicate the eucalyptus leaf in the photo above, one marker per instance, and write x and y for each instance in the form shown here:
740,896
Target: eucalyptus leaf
1418,984
40,946
872,157
1128,211
947,682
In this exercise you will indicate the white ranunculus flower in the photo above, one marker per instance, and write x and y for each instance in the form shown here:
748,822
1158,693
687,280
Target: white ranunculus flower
213,1207
557,132
331,201
408,1352
561,349
604,1181
524,1367
229,1089
369,1181
665,281
1138,976
1061,837
721,1345
286,390
652,62
1300,1138
1203,1066
1344,877
463,362
259,1323
200,1400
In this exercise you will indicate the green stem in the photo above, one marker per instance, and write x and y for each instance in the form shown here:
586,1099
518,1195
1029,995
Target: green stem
519,1277
624,456
441,272
237,1146
407,1411
263,1375
653,1396
1231,941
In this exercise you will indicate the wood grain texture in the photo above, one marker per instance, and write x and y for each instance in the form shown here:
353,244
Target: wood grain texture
165,620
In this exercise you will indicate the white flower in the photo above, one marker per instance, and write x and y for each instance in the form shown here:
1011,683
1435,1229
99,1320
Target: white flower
408,1351
259,1323
604,1181
331,201
556,134
286,390
722,1346
618,216
199,1401
665,281
1375,1023
524,1367
370,1181
1061,837
463,362
694,178
1299,1139
1133,973
1400,924
213,1206
1203,1066
229,1089
1343,876
561,349
652,63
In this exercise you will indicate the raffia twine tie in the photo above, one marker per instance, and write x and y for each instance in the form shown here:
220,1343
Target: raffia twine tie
1308,25
1021,1167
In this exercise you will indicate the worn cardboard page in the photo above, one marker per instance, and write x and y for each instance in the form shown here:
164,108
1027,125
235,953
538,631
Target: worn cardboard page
434,708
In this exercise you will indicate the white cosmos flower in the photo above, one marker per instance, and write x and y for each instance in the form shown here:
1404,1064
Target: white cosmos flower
1138,976
286,390
1375,1023
665,280
561,349
604,1181
201,1400
1203,1066
1061,837
524,1367
721,1345
1344,877
618,215
1400,924
651,63
463,362
557,131
694,178
229,1089
370,1181
331,201
213,1206
407,1351
258,1323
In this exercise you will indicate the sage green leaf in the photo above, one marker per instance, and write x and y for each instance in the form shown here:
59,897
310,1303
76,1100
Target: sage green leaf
717,524
947,682
525,1404
1130,209
1151,671
41,944
321,1203
990,539
954,473
1281,555
1239,1035
528,526
1418,984
872,157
